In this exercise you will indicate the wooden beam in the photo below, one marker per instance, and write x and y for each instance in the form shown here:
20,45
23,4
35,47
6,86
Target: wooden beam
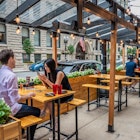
21,9
98,11
52,14
79,14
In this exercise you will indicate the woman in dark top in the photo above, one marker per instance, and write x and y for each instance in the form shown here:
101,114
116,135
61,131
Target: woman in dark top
53,76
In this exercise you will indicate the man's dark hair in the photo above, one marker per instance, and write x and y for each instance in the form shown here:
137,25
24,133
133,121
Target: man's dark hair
131,57
5,55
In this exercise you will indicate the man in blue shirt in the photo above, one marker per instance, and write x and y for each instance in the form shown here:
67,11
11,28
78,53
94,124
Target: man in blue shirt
130,70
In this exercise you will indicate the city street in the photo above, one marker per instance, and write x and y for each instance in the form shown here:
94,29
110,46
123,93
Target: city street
26,73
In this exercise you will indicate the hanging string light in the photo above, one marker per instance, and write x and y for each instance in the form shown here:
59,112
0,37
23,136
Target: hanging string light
58,31
97,34
88,21
17,16
17,19
33,32
18,30
128,11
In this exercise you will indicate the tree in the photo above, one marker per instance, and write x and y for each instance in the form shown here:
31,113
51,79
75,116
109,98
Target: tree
27,46
71,49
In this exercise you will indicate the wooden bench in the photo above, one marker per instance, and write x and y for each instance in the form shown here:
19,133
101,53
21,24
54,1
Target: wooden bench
98,86
97,102
28,121
117,82
76,102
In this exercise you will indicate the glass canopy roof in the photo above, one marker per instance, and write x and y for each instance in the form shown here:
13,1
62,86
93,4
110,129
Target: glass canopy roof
41,14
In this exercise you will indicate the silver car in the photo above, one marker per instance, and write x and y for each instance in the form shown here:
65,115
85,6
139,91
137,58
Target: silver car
78,65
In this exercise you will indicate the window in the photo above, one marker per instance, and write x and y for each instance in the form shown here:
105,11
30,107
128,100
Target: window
37,38
49,55
119,49
2,33
58,56
48,40
25,34
97,57
96,45
37,57
26,58
58,42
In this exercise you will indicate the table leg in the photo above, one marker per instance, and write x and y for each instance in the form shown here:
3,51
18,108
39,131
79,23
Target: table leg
53,118
120,95
58,112
88,100
139,88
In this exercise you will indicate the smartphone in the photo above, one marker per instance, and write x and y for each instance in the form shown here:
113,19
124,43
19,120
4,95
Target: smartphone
49,94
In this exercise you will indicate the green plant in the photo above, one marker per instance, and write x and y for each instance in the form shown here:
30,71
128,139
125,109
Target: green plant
71,49
27,46
5,111
80,73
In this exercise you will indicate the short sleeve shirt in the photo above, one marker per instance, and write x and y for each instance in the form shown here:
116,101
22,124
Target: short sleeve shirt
130,68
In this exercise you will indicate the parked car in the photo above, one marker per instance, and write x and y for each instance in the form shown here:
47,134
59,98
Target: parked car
38,66
119,64
78,65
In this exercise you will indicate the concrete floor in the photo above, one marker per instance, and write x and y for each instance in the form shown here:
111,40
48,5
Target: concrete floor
93,124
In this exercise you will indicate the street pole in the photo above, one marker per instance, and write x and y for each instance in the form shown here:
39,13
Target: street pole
65,42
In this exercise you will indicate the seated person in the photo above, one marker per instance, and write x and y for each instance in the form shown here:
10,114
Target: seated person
54,76
9,90
130,71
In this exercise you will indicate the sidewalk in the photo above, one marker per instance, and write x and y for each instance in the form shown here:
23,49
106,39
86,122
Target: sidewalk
93,125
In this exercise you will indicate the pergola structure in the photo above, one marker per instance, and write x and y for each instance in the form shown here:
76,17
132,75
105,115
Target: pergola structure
107,17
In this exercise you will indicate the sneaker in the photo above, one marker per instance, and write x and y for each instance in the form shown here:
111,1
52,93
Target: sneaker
132,89
43,114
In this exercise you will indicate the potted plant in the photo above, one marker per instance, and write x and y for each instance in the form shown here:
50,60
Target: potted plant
10,127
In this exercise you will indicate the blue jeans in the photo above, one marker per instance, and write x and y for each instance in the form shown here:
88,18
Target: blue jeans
29,110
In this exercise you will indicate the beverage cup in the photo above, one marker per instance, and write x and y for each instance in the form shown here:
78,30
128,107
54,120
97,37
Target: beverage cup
59,89
55,89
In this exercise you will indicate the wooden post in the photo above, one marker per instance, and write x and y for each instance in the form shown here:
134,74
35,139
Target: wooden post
54,46
137,53
123,54
112,75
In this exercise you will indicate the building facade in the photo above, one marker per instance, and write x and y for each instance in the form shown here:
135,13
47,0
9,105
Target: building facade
42,43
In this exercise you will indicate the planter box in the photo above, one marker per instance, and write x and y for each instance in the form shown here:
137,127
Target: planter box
11,130
81,92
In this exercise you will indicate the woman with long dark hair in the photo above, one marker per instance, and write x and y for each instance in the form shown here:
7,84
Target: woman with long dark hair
53,76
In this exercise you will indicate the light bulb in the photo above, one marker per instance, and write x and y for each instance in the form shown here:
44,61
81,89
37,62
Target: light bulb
17,30
17,19
33,32
58,30
88,21
97,34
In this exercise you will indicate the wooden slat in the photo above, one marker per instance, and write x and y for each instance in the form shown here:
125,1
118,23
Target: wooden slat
117,82
29,121
77,102
98,86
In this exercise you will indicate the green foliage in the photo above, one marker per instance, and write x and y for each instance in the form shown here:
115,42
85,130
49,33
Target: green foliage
71,49
131,51
23,81
5,111
27,46
80,73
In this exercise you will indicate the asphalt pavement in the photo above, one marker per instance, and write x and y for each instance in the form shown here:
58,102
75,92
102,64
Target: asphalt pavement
23,74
